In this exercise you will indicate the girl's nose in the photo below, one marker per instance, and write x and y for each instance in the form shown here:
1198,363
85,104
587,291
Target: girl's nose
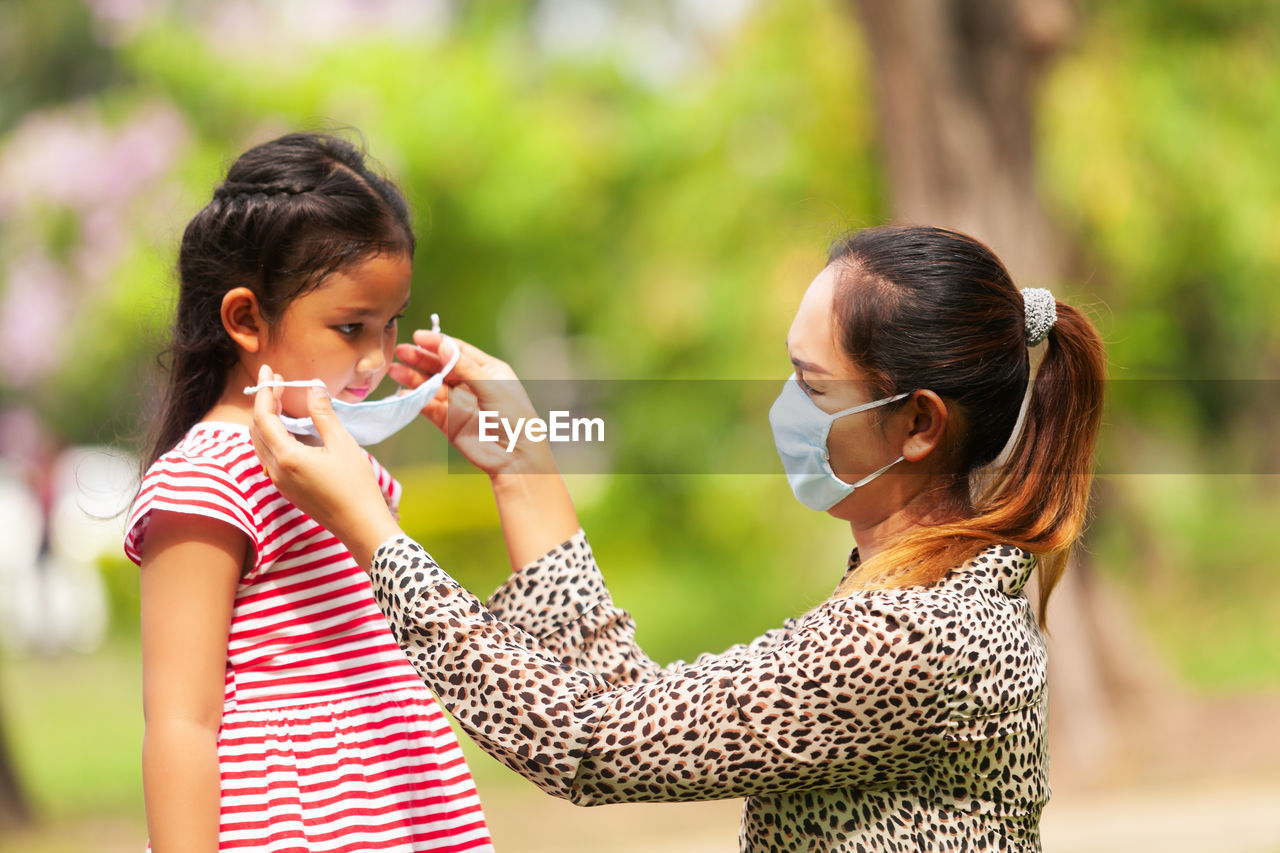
372,360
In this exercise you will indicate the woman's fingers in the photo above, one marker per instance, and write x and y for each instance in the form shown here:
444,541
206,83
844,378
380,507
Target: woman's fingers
438,407
473,362
333,484
270,438
478,381
332,432
414,365
431,351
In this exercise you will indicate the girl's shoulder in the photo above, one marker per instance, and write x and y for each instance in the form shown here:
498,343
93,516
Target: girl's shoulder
210,450
212,471
217,443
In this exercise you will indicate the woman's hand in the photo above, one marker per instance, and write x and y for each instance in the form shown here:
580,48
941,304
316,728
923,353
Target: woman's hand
334,483
478,382
536,512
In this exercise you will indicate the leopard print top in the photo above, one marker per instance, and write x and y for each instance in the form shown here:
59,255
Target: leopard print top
890,720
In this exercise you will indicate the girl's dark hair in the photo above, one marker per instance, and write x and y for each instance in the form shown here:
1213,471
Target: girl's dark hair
927,308
290,212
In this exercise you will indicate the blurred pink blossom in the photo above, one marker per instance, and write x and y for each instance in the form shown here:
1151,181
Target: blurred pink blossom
69,159
34,308
108,177
253,26
119,20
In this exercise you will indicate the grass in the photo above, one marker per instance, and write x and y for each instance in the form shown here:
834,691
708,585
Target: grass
74,725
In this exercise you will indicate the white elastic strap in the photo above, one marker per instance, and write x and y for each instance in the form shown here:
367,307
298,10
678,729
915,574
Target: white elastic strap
293,383
874,474
853,410
1035,355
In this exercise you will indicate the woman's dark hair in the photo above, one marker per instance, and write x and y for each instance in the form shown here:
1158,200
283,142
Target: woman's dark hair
290,212
928,308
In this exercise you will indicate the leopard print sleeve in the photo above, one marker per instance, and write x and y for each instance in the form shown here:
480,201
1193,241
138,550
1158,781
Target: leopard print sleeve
853,696
561,599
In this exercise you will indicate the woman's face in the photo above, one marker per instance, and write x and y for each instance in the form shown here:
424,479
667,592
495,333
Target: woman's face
856,444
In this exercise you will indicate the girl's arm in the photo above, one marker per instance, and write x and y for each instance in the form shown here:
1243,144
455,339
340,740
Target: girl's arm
190,568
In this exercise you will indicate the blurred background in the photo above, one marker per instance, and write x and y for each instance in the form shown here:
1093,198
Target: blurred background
641,189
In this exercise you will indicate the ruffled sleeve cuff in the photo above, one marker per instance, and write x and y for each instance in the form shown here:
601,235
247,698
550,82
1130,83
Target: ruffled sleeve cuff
554,591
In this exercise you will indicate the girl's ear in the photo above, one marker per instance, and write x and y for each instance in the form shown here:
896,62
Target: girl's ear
242,318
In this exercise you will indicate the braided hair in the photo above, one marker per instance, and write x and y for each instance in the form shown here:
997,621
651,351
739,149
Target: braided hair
290,212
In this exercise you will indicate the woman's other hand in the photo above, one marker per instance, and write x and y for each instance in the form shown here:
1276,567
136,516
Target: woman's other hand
478,382
333,483
536,512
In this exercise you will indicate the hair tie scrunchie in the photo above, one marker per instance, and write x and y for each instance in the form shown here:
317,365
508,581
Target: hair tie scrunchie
1041,312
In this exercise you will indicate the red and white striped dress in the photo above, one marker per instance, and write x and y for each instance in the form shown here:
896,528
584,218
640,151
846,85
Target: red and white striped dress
329,739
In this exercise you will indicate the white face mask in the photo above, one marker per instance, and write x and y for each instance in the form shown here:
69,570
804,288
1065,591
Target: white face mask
373,421
800,431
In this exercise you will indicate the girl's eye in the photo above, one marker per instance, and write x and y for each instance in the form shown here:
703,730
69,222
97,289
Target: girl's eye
807,388
348,328
391,324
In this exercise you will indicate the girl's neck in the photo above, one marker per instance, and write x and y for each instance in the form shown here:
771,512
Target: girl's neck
234,406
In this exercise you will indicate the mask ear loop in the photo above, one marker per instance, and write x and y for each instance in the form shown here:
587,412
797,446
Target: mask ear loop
292,383
1035,355
873,474
983,477
826,456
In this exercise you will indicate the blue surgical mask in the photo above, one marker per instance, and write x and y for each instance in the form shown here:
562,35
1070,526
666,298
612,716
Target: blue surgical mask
373,421
800,431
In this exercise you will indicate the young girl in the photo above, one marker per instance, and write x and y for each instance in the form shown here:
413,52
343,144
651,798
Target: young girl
281,715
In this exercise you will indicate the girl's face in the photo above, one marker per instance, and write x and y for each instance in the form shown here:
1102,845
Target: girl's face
342,332
856,444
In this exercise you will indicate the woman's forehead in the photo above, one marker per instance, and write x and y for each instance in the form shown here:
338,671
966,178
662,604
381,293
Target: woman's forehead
813,337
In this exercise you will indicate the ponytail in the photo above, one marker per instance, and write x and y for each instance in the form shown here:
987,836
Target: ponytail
1038,499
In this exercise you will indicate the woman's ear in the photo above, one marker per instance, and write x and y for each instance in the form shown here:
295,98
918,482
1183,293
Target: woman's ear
926,415
242,318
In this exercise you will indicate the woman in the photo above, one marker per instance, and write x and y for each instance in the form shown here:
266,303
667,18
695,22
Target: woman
907,712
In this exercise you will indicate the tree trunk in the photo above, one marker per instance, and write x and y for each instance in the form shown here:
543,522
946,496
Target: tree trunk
13,804
955,84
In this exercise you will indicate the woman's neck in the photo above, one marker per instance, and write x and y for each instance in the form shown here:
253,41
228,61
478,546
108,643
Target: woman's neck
916,506
875,537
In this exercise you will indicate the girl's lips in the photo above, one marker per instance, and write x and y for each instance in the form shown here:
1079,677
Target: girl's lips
359,393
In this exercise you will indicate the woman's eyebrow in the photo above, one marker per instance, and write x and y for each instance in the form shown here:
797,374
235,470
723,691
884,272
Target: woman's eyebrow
810,367
807,366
